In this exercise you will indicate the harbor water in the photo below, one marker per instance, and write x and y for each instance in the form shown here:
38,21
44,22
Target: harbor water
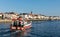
39,29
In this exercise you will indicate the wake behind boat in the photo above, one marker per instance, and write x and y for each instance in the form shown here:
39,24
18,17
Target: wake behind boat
20,24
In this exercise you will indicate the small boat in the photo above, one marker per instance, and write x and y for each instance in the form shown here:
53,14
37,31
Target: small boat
20,25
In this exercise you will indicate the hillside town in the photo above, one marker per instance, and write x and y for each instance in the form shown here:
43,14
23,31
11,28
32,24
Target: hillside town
30,16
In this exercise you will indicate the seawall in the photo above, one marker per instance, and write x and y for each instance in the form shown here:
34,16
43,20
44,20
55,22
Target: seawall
5,20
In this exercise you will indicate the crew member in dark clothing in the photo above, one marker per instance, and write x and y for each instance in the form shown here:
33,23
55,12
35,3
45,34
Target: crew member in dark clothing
15,23
19,24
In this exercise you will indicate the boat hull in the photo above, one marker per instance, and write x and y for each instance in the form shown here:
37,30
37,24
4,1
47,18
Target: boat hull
21,28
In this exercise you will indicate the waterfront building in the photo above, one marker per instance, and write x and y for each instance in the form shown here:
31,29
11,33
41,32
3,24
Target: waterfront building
10,15
1,15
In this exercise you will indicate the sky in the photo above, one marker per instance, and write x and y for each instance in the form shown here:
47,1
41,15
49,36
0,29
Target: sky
45,7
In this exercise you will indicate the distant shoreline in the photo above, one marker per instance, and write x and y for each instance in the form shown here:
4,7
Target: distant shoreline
5,20
9,20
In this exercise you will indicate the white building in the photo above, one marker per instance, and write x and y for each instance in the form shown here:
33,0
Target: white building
10,16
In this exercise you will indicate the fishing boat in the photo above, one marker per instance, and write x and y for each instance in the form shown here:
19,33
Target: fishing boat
20,24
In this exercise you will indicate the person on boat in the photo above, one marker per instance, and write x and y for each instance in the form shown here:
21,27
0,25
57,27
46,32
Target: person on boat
15,23
19,24
20,21
26,21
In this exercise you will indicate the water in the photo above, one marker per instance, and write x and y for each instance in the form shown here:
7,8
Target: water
39,29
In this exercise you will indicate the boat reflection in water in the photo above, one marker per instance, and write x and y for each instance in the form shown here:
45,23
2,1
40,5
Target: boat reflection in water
21,34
